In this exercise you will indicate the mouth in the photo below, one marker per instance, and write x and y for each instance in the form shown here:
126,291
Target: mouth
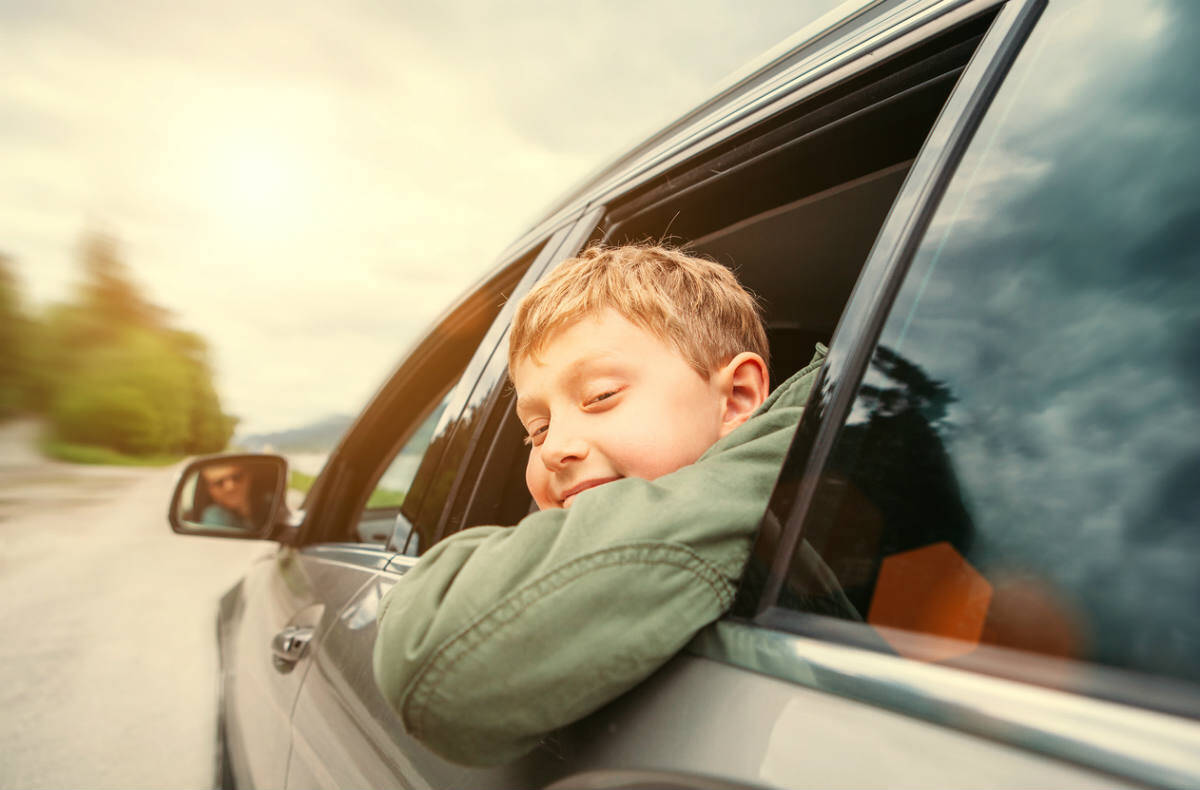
570,494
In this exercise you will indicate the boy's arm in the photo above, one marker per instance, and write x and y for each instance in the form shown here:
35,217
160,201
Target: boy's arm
499,636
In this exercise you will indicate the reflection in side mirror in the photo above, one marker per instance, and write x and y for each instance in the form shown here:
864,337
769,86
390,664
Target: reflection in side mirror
234,496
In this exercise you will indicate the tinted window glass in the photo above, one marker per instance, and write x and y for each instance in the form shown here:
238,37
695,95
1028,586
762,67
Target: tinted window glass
379,519
451,462
1020,466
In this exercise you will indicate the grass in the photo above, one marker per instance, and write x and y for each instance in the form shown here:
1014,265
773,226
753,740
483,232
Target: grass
385,497
380,497
100,456
300,481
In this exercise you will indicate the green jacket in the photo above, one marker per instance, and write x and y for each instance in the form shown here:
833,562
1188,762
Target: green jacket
501,635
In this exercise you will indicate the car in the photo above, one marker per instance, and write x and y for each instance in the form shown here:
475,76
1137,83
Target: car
990,212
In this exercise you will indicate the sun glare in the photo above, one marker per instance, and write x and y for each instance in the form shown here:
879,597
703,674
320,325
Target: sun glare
258,179
260,185
249,165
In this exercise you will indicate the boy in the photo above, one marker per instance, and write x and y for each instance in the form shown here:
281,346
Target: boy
641,380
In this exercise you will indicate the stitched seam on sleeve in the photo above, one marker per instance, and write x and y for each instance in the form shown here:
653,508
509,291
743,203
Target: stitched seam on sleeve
425,686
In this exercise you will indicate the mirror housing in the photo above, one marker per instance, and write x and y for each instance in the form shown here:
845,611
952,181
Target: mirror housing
230,496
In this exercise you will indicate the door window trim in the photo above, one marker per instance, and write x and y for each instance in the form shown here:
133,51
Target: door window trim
416,509
486,390
340,494
826,59
1101,735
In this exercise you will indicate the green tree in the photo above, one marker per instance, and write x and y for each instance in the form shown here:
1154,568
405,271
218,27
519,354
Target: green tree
15,339
210,429
118,376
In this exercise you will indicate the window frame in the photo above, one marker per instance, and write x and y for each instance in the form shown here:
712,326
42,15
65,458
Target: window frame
420,510
337,501
485,394
869,304
392,514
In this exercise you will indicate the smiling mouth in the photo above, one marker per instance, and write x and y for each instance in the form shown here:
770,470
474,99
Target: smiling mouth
570,494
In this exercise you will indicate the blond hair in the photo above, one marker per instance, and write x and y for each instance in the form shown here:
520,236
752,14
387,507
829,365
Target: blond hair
696,305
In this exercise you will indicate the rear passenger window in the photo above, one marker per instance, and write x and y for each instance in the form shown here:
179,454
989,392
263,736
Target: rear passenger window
792,206
417,412
1020,468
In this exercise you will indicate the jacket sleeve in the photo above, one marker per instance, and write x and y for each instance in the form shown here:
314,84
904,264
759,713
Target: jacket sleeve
499,636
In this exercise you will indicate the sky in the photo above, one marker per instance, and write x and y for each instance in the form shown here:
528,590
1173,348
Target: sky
309,185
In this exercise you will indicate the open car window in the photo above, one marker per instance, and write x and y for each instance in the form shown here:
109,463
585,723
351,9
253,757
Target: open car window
792,206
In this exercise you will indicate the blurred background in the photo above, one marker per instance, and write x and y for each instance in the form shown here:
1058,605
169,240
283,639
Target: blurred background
221,225
280,196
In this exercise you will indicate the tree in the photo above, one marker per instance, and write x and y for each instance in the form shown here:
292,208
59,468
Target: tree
109,293
118,376
15,336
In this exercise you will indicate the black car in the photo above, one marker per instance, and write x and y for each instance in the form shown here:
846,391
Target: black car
990,211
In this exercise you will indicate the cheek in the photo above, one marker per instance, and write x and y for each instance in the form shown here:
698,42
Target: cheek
687,425
537,480
652,454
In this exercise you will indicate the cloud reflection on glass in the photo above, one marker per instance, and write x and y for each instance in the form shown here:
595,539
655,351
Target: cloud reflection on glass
1055,304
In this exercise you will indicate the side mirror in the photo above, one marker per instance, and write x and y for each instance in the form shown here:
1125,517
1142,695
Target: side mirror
229,496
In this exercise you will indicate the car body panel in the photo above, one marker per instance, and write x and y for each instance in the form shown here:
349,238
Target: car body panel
258,698
707,719
289,588
1142,746
346,734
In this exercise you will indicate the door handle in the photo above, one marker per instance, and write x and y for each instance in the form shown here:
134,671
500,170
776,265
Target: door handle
289,646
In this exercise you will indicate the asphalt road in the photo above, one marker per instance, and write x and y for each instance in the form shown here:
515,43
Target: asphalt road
108,666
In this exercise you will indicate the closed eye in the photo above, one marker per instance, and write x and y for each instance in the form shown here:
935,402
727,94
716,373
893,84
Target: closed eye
533,437
601,397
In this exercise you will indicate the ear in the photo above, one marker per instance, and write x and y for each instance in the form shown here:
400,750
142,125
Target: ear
744,384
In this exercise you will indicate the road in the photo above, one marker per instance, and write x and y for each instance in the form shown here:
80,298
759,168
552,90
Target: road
108,661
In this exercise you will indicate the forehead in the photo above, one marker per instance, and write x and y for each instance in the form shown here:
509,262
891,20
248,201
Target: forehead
604,335
213,472
600,345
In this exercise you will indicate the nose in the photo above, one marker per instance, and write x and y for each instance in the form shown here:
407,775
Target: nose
561,447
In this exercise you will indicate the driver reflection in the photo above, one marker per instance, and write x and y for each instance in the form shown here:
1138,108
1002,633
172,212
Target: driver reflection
229,489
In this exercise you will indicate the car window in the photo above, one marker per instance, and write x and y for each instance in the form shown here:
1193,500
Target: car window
455,483
406,428
792,206
1017,476
445,473
434,474
381,516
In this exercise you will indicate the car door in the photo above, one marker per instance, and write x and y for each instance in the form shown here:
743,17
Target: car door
344,732
990,477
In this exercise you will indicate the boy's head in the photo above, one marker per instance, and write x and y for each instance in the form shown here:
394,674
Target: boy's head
630,362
